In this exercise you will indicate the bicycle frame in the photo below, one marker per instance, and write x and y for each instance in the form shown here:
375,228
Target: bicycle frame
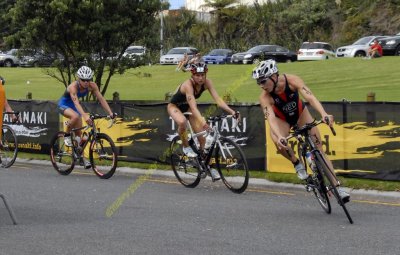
306,144
92,134
189,171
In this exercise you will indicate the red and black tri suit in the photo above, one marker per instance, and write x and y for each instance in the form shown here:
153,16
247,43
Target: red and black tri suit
288,106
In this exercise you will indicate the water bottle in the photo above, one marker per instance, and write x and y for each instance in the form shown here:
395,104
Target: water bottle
78,141
209,141
310,160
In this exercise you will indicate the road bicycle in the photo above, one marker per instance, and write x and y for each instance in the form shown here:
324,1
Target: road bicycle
9,144
102,152
322,182
224,154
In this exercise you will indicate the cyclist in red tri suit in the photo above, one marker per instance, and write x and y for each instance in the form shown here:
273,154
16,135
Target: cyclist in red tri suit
283,108
184,99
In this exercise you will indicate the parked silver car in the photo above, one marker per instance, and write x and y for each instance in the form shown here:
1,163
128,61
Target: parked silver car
175,55
9,58
359,48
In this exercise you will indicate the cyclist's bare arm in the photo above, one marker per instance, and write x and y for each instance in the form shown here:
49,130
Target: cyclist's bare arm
214,94
102,100
298,84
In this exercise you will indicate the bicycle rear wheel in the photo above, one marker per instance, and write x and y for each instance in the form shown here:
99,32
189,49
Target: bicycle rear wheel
61,156
9,147
232,165
103,156
321,164
185,169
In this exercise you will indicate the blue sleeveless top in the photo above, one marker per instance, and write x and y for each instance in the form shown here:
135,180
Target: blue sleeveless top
65,101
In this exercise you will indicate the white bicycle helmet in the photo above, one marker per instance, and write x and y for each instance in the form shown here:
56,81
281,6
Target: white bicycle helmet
85,73
265,69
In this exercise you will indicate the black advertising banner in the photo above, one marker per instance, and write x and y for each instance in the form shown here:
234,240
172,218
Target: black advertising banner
145,133
367,144
40,121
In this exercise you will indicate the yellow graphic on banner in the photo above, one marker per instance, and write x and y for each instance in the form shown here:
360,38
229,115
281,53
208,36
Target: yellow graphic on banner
122,132
354,140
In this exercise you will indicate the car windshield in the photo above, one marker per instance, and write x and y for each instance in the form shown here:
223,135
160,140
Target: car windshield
135,50
218,52
257,48
177,51
311,46
363,41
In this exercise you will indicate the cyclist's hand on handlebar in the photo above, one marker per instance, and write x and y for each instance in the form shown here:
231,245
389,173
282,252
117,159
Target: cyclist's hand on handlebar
236,116
113,116
282,143
87,118
328,119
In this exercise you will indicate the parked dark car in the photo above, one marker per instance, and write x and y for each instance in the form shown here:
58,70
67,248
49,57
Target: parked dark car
37,59
218,56
263,52
391,45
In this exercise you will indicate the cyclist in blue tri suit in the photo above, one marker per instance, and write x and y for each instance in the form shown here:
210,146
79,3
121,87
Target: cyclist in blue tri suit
70,107
283,108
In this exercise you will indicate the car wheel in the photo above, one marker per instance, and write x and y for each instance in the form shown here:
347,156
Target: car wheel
288,60
360,54
397,51
256,61
36,64
8,63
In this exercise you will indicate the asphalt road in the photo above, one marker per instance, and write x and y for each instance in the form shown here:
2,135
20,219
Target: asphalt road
82,214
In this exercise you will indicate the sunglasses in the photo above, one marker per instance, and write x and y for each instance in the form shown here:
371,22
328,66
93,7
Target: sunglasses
86,80
262,82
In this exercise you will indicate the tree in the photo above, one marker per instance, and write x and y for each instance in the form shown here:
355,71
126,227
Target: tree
95,33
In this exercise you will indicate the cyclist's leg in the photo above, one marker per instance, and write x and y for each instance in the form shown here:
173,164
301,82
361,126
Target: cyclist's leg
284,128
75,120
180,120
198,126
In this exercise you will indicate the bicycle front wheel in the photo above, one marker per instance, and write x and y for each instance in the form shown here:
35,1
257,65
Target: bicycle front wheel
103,156
321,164
9,147
232,165
61,155
316,183
320,192
185,169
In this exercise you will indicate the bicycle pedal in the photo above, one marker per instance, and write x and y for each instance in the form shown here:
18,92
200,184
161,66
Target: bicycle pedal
203,174
309,188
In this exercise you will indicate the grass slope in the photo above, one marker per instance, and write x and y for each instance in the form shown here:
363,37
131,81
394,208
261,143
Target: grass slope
330,80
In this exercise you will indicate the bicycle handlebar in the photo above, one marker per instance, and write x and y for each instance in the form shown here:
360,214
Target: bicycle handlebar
304,129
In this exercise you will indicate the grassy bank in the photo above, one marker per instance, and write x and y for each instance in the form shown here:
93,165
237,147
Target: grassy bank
330,80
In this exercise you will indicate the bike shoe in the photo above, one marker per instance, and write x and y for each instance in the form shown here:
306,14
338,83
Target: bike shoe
301,171
86,164
343,195
214,174
189,152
